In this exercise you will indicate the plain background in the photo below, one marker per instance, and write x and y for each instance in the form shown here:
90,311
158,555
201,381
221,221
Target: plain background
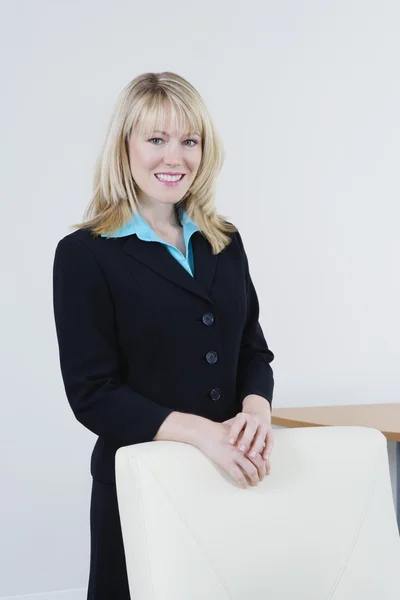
306,97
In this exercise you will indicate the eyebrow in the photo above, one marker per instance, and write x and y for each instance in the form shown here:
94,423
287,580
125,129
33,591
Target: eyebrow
165,133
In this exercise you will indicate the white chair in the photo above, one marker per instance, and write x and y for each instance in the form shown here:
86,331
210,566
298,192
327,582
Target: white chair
321,526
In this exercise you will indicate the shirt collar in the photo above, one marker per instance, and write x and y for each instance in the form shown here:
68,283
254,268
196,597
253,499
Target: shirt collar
146,233
143,230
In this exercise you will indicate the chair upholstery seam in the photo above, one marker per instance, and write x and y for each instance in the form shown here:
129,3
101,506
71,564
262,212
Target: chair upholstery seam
350,552
199,544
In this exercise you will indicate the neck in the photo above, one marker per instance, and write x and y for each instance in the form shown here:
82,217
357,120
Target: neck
160,218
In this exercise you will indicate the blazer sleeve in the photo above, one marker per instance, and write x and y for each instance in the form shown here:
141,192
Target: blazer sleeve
88,351
254,374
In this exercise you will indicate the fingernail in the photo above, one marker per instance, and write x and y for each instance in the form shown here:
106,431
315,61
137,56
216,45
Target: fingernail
252,453
242,448
232,440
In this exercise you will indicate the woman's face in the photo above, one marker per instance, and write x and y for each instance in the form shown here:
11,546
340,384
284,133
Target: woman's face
164,152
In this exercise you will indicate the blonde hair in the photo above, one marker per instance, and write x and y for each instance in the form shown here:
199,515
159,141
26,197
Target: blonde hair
142,107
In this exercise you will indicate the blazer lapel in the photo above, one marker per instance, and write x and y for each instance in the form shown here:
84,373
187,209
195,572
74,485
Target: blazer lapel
157,257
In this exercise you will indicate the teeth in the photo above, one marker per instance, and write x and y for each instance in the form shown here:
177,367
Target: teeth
168,177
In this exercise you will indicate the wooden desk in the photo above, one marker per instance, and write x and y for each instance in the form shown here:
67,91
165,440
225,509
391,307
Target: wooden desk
385,417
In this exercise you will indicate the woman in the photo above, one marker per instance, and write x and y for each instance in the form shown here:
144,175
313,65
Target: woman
155,310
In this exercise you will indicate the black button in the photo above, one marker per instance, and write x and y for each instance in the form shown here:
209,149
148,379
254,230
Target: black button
211,357
215,394
208,319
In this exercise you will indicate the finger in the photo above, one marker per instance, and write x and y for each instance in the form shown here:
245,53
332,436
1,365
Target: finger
238,475
269,444
260,464
258,445
238,423
248,435
249,469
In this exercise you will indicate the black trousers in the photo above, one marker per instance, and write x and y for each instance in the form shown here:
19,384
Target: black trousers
108,577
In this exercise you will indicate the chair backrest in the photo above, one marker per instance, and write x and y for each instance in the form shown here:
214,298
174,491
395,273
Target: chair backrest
321,526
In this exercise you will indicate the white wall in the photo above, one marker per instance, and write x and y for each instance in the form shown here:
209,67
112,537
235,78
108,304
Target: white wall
306,95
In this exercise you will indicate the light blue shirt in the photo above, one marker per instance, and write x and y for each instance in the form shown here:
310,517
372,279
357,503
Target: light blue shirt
146,233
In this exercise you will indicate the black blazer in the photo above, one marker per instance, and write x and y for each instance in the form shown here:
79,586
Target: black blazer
139,337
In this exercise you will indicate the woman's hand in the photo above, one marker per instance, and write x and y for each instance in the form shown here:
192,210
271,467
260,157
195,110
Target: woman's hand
213,441
251,430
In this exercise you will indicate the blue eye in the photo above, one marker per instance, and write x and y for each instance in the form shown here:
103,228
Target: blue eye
194,141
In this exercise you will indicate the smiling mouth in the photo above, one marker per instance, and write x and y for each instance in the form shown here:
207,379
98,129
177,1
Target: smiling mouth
168,182
162,179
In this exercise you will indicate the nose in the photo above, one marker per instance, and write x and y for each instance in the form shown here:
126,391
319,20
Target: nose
173,154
